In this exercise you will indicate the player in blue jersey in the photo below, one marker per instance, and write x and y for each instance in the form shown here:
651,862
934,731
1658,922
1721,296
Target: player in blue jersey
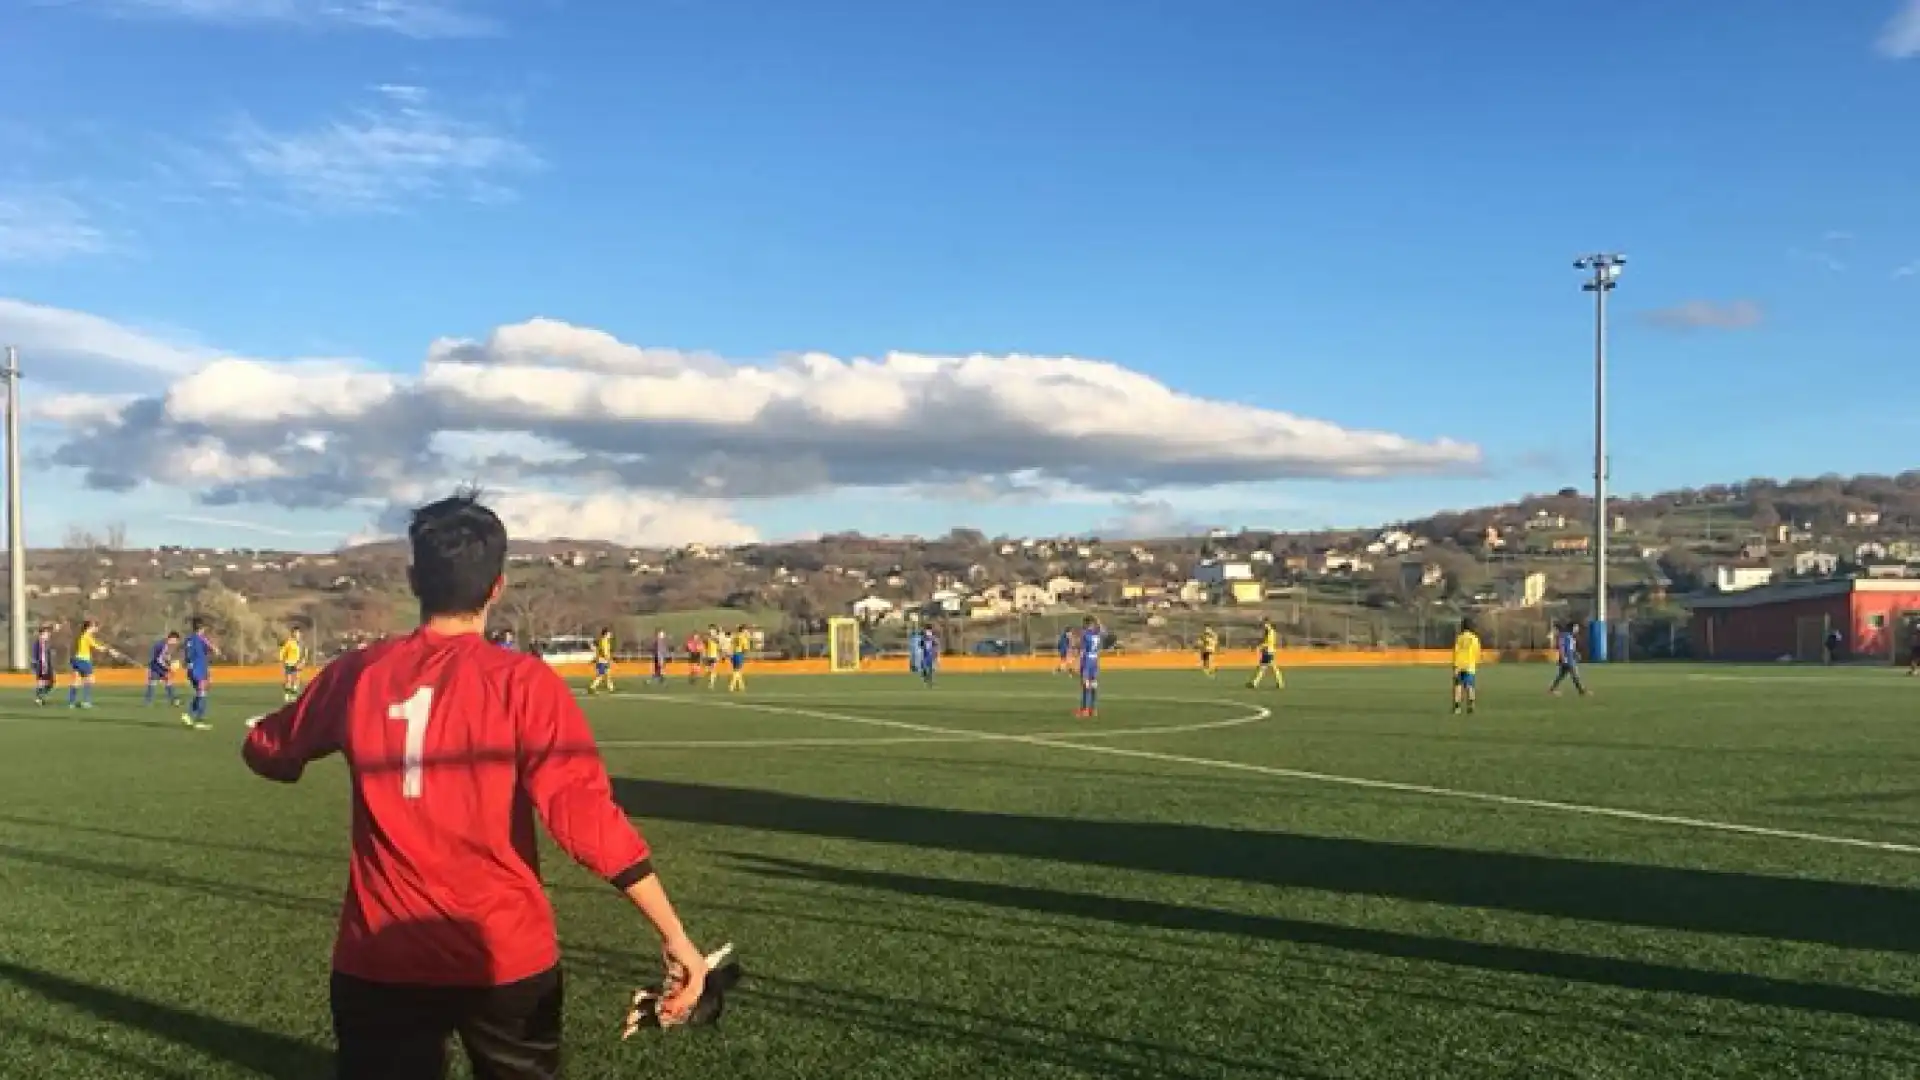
1091,638
1065,645
916,648
160,667
199,653
1567,651
42,665
929,654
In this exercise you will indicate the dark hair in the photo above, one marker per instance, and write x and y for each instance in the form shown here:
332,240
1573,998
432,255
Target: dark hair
199,624
459,553
173,635
1466,626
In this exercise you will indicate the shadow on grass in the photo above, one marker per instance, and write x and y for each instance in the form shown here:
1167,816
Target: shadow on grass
199,843
1713,902
248,1048
1634,975
1016,1044
213,888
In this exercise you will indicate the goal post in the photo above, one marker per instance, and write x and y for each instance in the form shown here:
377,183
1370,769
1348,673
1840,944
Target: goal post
843,645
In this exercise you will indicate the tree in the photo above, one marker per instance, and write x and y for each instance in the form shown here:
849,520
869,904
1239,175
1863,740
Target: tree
243,634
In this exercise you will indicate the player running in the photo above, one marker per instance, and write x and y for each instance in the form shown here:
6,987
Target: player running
199,653
1209,645
454,748
1466,666
85,644
1567,651
1269,648
42,664
293,654
160,665
1091,636
602,663
916,650
742,644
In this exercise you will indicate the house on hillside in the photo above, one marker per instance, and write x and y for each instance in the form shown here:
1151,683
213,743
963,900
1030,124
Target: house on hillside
1542,520
1064,588
1741,576
1031,598
1815,564
1863,519
1869,552
1570,545
1523,590
873,609
1421,575
1220,573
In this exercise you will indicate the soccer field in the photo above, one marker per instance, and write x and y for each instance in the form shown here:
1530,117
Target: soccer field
1694,873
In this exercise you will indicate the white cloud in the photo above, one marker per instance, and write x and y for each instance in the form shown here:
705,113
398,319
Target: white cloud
42,227
1909,270
586,435
1147,519
410,18
1900,38
72,348
1708,315
244,525
400,149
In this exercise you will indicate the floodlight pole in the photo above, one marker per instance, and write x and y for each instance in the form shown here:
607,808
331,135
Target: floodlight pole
16,538
1604,270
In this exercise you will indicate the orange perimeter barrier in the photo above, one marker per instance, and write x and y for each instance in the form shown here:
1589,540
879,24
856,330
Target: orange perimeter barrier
1155,661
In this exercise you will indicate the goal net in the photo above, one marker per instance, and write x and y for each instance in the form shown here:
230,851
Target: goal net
843,645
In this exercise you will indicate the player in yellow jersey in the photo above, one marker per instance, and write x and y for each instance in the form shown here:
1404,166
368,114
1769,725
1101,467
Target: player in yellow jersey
1209,644
718,645
293,654
1269,647
1466,665
85,644
742,645
602,663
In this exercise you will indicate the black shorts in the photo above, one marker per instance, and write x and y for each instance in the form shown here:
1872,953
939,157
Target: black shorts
391,1032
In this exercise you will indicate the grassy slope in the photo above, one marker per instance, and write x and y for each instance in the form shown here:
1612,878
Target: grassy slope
993,908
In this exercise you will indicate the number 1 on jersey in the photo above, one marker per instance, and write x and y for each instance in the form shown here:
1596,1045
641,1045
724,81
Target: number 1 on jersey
415,711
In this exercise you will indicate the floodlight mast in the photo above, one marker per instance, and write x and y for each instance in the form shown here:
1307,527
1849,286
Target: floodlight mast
1603,273
16,539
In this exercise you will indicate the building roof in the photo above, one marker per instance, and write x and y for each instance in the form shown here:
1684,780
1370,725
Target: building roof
1792,591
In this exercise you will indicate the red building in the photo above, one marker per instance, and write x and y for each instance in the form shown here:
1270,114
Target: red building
1793,619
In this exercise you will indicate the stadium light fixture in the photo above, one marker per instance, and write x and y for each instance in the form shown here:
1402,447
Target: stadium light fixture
1603,275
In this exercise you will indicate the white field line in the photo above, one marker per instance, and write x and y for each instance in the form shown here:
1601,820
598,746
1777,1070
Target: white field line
1616,813
954,736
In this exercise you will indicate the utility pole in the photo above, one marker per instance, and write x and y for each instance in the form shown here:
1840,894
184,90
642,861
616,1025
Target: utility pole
1603,269
16,539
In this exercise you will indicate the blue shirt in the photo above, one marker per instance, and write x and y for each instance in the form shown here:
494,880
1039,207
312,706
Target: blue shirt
929,645
1066,642
198,654
1089,647
159,660
1569,652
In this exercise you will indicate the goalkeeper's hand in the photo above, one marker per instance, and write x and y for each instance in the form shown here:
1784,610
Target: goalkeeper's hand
692,993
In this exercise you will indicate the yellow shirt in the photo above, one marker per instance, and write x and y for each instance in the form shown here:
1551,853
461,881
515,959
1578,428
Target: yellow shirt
1209,641
716,644
743,642
289,653
603,648
1466,652
1270,639
84,645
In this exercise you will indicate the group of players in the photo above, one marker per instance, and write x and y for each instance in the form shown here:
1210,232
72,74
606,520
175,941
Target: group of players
703,650
171,654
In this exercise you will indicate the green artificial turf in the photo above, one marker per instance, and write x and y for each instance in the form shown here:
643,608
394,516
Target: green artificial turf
914,901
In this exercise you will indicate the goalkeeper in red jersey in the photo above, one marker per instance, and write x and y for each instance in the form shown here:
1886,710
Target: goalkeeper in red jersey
454,747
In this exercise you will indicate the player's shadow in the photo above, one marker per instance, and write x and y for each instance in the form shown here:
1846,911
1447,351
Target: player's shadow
1840,914
1637,975
261,1053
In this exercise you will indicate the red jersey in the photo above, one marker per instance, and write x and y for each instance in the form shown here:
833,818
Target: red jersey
453,746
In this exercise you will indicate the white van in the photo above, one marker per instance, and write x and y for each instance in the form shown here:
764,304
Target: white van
565,650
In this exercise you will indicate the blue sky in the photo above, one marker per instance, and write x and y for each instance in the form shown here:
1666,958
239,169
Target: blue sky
1282,264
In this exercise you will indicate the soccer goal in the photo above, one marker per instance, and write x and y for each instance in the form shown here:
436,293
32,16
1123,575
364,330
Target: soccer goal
843,645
